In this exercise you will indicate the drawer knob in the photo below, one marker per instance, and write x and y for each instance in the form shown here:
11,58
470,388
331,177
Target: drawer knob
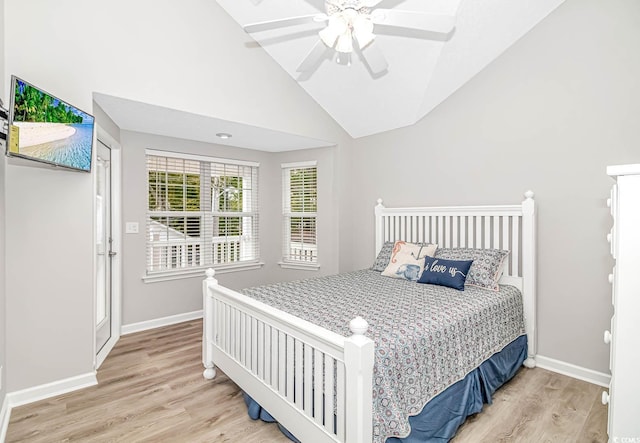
605,397
610,278
607,337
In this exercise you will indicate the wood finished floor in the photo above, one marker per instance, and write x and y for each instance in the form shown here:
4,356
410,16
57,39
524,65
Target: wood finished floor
151,389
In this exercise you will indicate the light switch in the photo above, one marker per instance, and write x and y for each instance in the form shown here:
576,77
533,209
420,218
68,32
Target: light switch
131,228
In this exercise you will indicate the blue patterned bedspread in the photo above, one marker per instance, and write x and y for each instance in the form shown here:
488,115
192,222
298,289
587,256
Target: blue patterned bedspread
426,337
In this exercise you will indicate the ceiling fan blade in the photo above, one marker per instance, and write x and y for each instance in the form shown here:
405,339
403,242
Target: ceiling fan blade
424,21
374,57
284,22
367,3
313,58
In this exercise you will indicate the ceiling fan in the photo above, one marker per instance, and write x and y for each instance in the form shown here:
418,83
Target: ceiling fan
349,27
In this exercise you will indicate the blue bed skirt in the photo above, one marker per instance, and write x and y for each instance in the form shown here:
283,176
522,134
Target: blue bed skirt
441,417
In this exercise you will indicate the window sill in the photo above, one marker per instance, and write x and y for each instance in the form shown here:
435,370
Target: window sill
301,266
200,272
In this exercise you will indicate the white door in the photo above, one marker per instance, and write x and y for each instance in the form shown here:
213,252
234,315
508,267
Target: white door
104,251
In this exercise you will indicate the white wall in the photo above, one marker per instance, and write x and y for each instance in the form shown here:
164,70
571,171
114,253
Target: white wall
105,122
185,55
548,115
49,275
148,301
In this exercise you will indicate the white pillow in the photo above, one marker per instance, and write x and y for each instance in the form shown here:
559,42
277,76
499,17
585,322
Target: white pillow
407,260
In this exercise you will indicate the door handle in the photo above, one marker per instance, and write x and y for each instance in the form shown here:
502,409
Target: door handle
112,254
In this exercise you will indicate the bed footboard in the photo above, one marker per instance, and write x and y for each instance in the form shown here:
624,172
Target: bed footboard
301,373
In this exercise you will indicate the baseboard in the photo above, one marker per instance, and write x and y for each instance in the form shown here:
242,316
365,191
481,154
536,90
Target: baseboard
48,390
159,322
5,415
588,375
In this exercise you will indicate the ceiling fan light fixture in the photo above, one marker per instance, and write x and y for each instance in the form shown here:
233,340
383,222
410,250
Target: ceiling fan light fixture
335,28
345,43
328,37
363,31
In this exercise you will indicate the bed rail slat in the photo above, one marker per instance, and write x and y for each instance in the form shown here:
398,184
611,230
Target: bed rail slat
223,330
463,232
455,238
470,232
318,365
486,239
260,345
243,338
254,345
282,363
274,358
340,397
299,378
308,380
413,228
267,354
506,228
290,372
515,246
238,329
478,237
329,363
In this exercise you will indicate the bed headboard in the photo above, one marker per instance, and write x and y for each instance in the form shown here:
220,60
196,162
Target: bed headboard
511,227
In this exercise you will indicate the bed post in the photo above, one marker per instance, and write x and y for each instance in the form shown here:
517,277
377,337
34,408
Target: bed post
207,325
379,227
358,359
529,275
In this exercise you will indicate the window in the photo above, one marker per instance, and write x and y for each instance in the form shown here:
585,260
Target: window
201,212
300,191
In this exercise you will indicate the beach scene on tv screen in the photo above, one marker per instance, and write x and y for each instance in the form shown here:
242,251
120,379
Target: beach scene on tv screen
50,129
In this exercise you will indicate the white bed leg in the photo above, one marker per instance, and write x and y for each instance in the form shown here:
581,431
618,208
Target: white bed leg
209,372
208,326
530,362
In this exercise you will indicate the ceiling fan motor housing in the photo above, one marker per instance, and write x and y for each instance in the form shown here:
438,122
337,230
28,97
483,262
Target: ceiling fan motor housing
334,6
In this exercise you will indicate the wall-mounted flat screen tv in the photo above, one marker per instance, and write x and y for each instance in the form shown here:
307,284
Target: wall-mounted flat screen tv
46,129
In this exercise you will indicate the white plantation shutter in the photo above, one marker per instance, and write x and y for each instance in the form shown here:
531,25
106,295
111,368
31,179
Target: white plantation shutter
202,212
300,191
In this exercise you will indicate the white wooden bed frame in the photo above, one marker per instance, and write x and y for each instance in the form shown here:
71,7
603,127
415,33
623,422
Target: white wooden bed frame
264,350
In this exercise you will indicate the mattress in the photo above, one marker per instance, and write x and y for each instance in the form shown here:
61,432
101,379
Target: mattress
426,337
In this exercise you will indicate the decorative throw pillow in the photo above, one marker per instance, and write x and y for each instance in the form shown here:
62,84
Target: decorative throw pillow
407,260
486,268
443,272
382,260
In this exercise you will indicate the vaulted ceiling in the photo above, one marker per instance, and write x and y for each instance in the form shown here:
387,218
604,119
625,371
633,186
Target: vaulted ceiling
424,68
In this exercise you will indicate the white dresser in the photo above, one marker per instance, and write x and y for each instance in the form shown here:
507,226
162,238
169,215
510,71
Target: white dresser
624,337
